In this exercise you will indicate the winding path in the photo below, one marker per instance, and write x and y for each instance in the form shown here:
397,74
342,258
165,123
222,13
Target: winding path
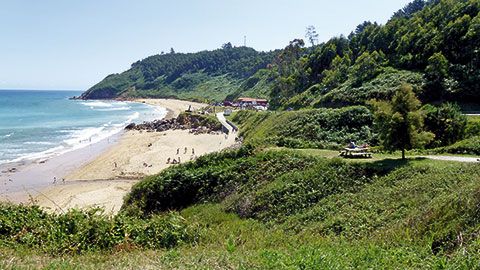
230,136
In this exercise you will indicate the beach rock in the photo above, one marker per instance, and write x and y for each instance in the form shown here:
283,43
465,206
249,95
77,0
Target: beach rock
197,124
130,126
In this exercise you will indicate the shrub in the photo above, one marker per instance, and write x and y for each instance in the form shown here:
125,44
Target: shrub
77,231
447,123
320,128
211,178
468,146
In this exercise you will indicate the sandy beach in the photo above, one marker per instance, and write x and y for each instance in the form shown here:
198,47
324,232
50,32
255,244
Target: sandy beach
104,180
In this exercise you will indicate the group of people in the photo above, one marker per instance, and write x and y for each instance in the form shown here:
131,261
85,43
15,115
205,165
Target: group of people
178,161
55,180
352,145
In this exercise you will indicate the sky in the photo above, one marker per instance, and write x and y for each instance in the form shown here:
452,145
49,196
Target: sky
73,44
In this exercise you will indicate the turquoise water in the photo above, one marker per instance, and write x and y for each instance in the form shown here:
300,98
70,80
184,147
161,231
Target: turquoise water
42,124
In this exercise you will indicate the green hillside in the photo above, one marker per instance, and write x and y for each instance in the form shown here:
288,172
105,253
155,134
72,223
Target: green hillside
267,209
431,44
204,75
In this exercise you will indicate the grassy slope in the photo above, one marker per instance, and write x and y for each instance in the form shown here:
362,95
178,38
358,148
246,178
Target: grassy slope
297,209
390,221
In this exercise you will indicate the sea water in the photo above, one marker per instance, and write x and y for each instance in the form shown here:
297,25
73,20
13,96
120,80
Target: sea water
42,124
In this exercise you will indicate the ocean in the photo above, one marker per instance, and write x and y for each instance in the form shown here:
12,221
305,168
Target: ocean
42,124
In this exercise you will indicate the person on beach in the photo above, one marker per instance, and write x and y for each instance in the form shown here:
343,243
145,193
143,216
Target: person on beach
186,149
193,151
168,160
178,151
54,180
179,160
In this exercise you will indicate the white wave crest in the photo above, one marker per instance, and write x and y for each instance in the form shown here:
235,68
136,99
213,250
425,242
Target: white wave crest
7,135
39,143
97,104
115,109
80,138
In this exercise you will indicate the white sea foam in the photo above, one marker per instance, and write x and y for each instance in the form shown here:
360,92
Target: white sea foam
39,143
44,154
80,138
8,135
97,104
114,109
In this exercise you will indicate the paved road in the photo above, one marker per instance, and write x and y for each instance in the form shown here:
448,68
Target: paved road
223,120
230,137
453,158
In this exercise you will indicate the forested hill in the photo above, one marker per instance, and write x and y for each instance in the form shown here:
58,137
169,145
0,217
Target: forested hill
206,74
432,44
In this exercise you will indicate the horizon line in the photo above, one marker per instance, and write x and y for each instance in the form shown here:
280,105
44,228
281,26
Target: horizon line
23,89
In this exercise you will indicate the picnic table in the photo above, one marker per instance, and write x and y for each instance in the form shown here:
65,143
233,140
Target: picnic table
358,152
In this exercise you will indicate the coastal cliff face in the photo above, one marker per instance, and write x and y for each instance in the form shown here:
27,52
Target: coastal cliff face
203,75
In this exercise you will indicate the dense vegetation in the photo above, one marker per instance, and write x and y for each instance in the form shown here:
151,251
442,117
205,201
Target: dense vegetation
470,141
420,213
78,232
203,75
400,122
315,128
431,44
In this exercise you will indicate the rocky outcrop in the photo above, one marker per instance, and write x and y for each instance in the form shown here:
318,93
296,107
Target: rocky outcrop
196,123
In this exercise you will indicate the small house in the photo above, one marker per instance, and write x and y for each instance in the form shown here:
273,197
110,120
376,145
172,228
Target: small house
252,102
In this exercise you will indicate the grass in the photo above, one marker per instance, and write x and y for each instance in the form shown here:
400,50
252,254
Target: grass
269,208
234,243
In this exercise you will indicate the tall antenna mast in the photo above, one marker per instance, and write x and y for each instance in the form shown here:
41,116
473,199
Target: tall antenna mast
245,41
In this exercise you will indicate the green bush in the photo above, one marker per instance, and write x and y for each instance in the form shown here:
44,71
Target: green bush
77,231
447,123
315,128
468,146
210,178
296,190
473,126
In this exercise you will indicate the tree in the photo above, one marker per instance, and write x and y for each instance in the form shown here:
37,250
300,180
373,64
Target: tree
447,123
311,35
227,46
435,74
338,73
410,9
400,122
367,67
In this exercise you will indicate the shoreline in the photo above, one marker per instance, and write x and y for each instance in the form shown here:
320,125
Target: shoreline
106,178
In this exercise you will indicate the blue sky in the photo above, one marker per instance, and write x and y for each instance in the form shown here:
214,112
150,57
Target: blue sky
72,44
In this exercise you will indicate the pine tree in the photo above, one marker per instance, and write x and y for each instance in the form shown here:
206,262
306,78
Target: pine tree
400,121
